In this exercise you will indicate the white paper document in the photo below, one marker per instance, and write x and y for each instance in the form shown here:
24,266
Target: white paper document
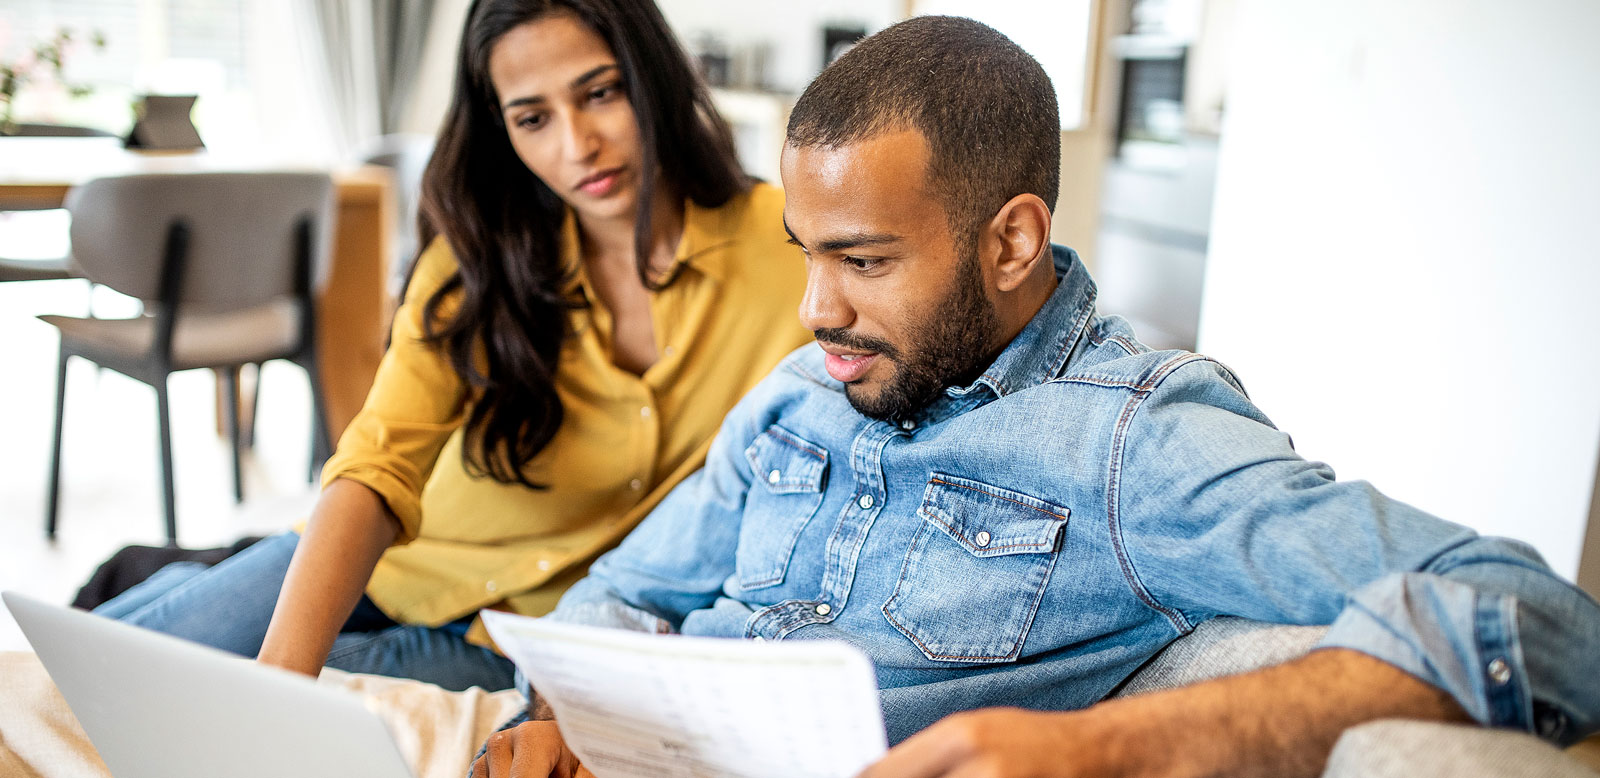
635,704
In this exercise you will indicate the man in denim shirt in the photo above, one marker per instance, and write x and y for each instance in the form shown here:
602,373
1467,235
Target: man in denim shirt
1006,500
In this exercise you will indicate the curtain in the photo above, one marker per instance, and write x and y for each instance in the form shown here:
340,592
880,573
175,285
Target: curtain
370,52
402,33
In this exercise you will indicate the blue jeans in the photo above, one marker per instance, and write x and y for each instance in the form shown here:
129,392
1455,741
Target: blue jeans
229,606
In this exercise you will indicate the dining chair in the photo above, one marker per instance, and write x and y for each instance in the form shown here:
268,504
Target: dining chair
227,265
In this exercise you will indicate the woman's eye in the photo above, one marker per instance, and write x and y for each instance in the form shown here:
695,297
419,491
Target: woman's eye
531,121
604,92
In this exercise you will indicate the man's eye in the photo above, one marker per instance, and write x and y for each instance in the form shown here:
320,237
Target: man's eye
861,263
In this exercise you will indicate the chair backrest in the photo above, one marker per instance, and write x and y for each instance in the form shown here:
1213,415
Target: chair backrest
243,234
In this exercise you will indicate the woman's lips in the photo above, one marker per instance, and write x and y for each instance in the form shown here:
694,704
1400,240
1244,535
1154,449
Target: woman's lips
601,184
849,368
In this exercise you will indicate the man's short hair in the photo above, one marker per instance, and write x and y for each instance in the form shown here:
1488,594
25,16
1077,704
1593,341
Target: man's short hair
986,108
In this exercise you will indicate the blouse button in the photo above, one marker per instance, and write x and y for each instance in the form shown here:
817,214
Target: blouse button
490,586
644,412
636,484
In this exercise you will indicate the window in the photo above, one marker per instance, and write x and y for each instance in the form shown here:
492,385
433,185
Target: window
166,46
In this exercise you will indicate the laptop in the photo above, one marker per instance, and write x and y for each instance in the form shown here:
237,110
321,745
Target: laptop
159,707
163,124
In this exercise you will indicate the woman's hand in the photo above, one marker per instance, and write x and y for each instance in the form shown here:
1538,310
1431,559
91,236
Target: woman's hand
532,749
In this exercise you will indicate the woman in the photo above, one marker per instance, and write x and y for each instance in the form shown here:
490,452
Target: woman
602,282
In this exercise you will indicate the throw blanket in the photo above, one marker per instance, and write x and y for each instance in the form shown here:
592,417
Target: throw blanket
437,732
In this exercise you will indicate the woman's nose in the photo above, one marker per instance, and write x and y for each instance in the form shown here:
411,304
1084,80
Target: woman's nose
582,142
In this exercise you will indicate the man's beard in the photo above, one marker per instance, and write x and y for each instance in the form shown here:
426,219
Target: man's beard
948,347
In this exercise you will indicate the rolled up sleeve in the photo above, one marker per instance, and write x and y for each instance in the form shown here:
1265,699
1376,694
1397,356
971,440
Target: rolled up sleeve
1488,623
416,403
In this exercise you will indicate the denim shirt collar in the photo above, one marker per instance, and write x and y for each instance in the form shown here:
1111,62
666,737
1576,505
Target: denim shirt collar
1040,351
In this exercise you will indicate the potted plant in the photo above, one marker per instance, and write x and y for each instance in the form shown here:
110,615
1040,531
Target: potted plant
45,60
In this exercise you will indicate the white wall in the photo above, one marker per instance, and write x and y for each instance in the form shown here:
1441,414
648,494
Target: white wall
1405,250
792,29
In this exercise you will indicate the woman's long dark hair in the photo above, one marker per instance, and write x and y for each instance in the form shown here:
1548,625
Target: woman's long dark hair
503,223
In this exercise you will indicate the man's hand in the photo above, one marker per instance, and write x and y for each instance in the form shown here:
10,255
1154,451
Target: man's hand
530,750
1273,723
992,743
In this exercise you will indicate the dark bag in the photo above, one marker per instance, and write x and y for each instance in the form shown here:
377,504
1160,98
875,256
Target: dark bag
133,564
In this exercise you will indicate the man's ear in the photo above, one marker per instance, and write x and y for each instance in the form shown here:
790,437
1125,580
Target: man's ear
1019,235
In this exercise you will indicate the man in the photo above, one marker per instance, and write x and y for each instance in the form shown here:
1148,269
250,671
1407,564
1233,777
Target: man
1006,500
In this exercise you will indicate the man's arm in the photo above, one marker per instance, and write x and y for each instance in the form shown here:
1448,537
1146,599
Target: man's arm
1215,514
678,558
1278,722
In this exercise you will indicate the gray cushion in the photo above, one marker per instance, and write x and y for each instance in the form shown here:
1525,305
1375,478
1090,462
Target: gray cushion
1219,647
1397,748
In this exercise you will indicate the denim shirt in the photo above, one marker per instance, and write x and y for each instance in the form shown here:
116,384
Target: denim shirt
1033,538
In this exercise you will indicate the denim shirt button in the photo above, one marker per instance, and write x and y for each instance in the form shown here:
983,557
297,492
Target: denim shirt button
1499,671
774,476
908,424
824,609
865,502
759,639
982,538
1549,721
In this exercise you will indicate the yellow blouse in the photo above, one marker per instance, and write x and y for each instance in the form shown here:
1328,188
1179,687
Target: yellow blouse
468,542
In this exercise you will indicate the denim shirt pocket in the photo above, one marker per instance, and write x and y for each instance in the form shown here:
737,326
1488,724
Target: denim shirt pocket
789,474
975,571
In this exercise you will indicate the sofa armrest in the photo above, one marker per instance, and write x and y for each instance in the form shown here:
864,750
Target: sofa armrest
1397,748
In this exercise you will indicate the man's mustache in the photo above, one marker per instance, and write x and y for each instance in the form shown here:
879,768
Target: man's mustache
846,339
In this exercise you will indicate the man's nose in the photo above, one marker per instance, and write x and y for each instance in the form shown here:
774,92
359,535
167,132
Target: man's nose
824,304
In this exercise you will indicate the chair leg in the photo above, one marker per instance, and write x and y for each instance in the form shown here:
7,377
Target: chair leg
52,509
230,398
321,444
255,402
164,413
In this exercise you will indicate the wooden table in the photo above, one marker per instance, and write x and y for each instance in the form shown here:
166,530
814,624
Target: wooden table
354,306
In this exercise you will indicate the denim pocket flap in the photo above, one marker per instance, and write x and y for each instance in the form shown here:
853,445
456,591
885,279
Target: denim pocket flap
786,463
989,521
